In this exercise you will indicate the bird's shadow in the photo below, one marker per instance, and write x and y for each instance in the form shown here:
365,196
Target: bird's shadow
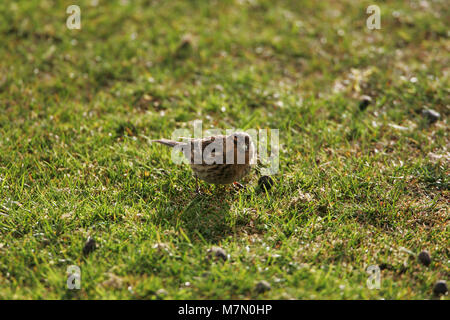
206,217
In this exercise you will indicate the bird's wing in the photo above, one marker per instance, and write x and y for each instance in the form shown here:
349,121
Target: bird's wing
202,144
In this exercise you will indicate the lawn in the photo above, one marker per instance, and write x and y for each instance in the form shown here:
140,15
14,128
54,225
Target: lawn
359,184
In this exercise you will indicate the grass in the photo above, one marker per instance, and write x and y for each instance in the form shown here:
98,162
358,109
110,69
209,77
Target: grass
354,188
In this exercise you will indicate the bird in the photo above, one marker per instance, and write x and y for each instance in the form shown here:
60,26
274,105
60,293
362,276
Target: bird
219,159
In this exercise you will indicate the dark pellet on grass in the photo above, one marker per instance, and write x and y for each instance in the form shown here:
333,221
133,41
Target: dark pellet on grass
262,286
431,115
440,288
185,47
364,102
217,253
385,266
265,182
89,246
424,258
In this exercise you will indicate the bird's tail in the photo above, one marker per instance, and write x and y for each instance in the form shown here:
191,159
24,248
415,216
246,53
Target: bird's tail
166,142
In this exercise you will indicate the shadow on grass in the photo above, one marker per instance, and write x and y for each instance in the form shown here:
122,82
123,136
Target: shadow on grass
206,217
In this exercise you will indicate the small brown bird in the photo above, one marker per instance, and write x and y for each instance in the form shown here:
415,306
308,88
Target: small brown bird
218,159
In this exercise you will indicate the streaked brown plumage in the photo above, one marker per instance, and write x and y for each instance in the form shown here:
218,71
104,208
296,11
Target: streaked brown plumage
237,149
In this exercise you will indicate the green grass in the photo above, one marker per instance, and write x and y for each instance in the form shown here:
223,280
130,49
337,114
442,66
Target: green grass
352,190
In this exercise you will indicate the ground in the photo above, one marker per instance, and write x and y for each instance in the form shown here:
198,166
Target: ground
356,186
